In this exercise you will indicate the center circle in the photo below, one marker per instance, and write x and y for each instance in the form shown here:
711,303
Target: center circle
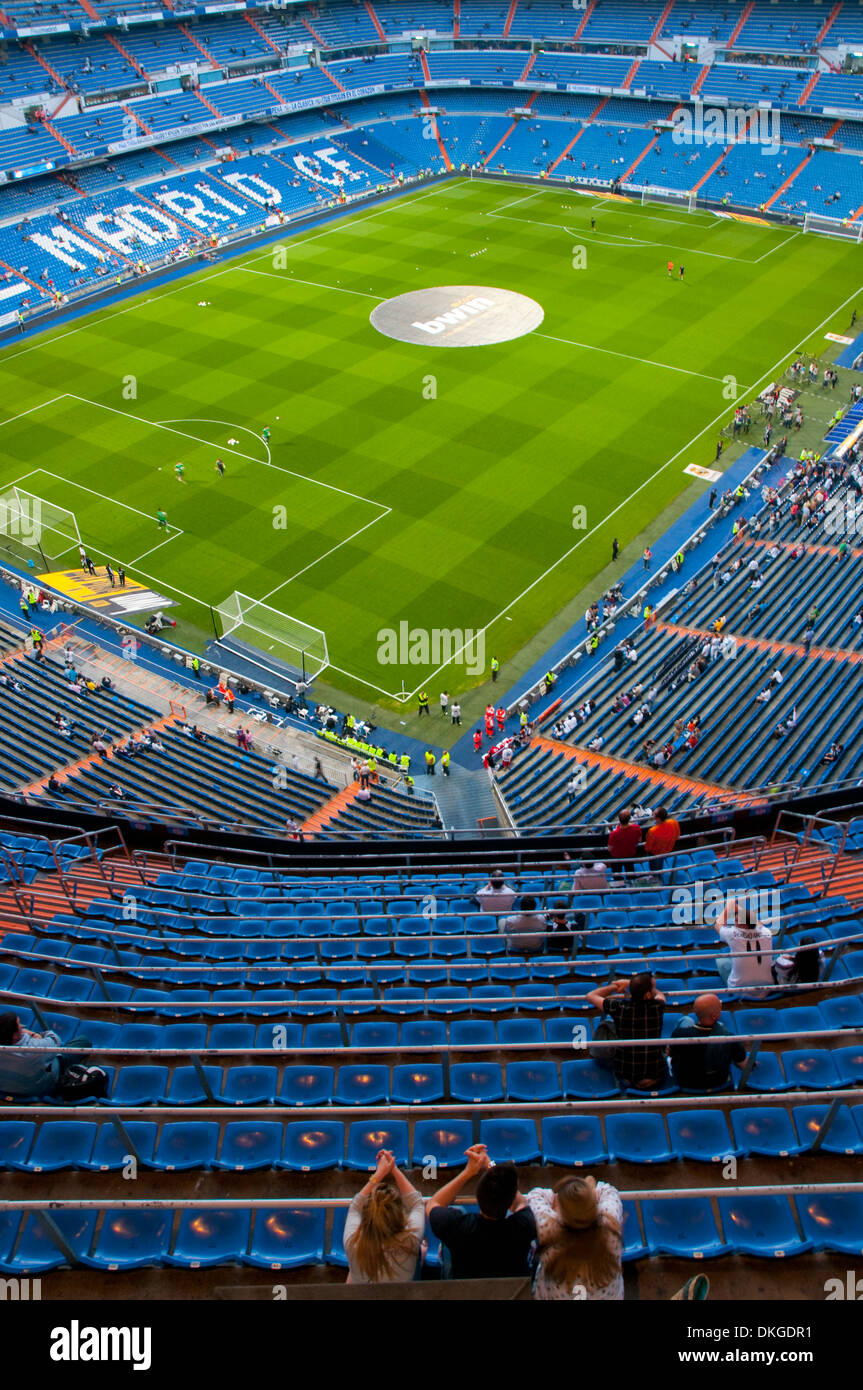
457,316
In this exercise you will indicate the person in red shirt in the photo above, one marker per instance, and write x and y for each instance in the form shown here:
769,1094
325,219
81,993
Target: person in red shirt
477,740
624,840
661,837
501,717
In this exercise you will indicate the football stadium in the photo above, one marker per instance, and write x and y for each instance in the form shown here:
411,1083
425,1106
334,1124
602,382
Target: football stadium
431,609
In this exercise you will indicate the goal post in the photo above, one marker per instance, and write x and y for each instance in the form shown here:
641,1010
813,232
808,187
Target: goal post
673,197
29,523
841,227
258,633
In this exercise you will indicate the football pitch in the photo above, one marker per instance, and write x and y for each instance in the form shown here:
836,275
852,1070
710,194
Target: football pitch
461,490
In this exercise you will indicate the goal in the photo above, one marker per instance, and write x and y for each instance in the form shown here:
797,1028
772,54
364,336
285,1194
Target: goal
833,226
270,640
676,197
29,523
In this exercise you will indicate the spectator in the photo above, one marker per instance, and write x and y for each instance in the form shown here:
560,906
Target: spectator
525,932
384,1227
493,1242
579,1227
559,926
624,839
749,941
496,896
801,968
705,1068
593,879
28,1067
661,837
635,1009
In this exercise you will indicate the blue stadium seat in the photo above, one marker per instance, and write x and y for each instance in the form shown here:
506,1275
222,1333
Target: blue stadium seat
443,1141
585,1079
313,1145
492,999
184,1145
634,1247
468,1032
841,1138
513,1140
37,1252
419,1084
367,1138
637,1138
139,1086
323,1035
250,1144
520,1030
16,1141
532,1081
375,1035
573,1141
811,1068
845,1011
363,1085
767,1074
761,1226
307,1086
186,1089
849,1064
476,1082
208,1237
287,1238
683,1226
701,1135
111,1153
832,1221
428,1032
131,1240
765,1130
249,1085
62,1144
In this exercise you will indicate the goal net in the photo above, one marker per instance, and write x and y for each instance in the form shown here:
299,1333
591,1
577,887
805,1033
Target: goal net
276,639
29,523
676,197
833,226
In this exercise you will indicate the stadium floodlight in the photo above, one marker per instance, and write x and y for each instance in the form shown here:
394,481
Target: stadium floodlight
249,623
34,523
841,227
677,197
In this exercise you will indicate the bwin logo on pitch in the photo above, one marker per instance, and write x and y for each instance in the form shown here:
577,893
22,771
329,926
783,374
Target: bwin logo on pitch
436,646
77,1343
726,125
459,313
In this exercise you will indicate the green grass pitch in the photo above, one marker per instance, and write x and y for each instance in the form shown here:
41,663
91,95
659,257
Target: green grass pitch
449,503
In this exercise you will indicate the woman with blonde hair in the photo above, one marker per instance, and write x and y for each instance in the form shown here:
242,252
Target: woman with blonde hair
580,1245
384,1227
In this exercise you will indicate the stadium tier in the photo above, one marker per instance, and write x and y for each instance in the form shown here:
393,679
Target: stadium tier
451,759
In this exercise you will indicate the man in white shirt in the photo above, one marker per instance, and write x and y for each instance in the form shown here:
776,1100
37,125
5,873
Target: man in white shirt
496,896
750,943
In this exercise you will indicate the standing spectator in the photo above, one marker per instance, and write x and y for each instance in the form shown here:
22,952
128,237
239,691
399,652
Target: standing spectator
496,895
705,1068
624,840
636,1009
579,1227
749,941
384,1227
455,712
647,557
493,1242
661,837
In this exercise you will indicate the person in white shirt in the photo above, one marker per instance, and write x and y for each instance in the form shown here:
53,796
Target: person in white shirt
496,896
384,1227
750,960
579,1227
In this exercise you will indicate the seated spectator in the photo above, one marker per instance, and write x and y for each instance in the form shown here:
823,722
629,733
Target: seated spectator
635,1008
28,1068
624,840
559,927
384,1227
579,1227
497,895
661,837
705,1068
525,932
801,968
593,879
493,1242
749,941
